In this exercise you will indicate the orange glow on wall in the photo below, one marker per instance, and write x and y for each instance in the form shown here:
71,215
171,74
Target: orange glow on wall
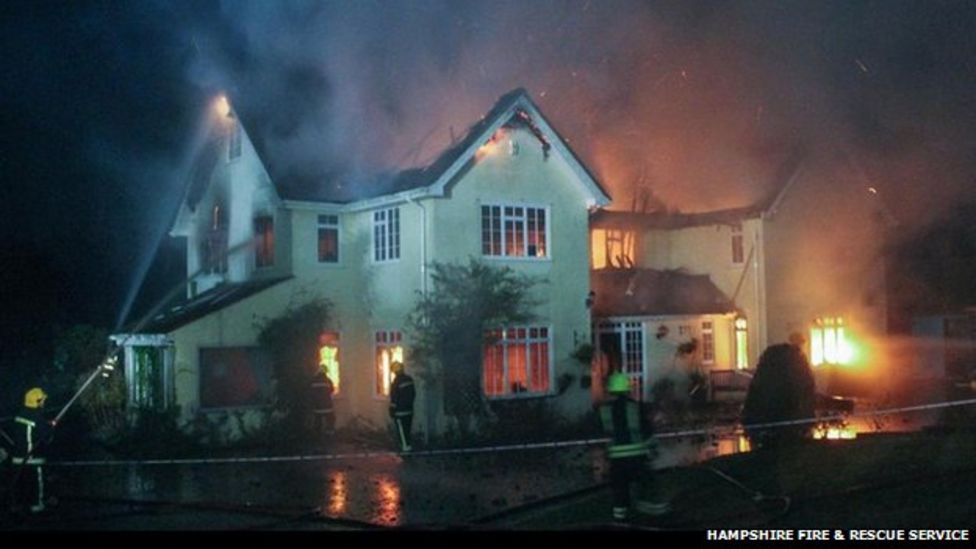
491,147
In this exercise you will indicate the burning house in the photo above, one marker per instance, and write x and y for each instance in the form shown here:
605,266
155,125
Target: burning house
509,192
670,293
803,264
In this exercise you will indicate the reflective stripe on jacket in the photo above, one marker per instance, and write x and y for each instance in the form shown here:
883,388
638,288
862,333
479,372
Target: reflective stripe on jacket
621,421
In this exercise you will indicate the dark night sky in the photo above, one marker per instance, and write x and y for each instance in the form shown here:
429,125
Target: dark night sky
699,101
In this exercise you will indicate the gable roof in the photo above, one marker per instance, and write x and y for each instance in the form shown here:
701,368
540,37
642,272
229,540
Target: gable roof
648,292
329,187
208,302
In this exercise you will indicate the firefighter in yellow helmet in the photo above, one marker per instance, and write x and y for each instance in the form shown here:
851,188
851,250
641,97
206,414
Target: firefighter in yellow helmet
402,394
628,451
32,432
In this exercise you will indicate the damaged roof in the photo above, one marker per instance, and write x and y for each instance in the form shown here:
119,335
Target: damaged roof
329,187
783,179
207,302
649,292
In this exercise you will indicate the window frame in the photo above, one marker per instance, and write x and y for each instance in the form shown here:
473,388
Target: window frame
262,247
708,341
525,206
738,244
527,341
386,228
323,225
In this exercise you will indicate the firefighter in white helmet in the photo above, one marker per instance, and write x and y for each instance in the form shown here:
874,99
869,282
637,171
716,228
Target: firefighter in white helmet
32,431
628,451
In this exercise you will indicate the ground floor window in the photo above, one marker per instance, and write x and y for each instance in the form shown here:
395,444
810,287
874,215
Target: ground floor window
741,344
234,377
329,357
708,342
389,349
150,378
828,342
516,362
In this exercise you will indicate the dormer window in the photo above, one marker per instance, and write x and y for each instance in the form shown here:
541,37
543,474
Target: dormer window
234,141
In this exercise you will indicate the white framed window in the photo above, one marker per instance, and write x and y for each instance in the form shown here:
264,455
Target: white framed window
517,362
328,238
708,342
389,349
741,343
514,231
612,248
623,344
386,235
234,141
738,249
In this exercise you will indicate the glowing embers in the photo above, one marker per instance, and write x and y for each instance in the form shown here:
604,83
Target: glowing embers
829,343
338,493
834,432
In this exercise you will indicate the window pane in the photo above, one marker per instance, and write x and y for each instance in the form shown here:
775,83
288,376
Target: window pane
328,245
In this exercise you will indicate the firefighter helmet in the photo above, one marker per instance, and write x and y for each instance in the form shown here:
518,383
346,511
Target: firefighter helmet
396,367
35,398
618,383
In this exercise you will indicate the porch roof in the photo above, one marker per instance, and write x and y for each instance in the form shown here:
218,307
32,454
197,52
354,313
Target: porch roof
648,292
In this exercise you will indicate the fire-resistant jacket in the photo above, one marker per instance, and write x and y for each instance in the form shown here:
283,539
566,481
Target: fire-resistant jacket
402,393
322,390
622,422
30,431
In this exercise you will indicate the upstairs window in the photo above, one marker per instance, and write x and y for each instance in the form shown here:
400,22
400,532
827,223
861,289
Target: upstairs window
386,235
738,255
517,362
328,239
263,241
612,248
513,231
389,349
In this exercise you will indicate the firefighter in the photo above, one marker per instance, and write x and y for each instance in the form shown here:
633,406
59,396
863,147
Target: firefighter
322,409
32,431
402,393
628,451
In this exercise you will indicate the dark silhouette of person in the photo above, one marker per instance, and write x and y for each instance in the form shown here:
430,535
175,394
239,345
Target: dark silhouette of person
402,393
321,400
782,390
